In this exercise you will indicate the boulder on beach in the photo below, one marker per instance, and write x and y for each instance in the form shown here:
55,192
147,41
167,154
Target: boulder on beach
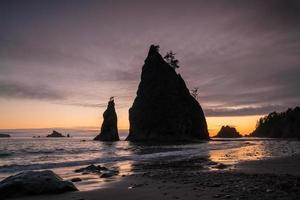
228,132
279,125
33,183
109,128
55,134
164,110
4,135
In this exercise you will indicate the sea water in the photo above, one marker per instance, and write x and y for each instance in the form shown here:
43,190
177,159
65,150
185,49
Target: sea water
63,155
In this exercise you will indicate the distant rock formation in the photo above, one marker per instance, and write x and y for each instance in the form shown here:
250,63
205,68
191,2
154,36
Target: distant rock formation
3,135
164,109
34,183
279,125
109,128
55,134
228,132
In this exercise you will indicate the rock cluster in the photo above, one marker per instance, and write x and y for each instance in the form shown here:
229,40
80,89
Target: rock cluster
164,109
55,134
97,169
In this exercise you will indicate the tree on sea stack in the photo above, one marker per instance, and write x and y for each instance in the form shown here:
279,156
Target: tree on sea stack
109,128
194,93
171,60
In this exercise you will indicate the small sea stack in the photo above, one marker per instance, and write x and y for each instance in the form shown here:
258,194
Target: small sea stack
55,134
4,135
164,110
228,132
109,128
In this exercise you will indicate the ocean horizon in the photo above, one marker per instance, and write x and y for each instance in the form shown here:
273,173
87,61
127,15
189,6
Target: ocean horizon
43,132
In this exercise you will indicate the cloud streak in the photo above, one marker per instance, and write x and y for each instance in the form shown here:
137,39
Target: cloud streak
247,111
18,90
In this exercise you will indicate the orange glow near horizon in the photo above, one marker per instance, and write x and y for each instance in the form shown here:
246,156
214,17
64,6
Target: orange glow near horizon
243,124
36,114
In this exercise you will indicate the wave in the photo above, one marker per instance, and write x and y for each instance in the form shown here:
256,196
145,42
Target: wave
136,157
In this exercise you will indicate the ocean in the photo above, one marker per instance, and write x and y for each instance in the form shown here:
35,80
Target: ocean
63,155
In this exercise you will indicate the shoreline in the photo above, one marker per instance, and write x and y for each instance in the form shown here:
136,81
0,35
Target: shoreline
247,180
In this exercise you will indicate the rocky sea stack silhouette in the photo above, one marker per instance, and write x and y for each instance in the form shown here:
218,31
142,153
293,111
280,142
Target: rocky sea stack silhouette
55,134
228,132
4,135
164,109
109,128
279,125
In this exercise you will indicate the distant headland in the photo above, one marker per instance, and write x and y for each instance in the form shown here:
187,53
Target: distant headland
279,125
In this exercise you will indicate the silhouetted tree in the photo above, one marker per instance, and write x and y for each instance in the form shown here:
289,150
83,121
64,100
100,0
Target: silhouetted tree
171,60
156,47
194,93
284,124
111,98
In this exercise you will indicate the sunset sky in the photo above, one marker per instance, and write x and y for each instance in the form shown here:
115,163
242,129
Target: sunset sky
60,61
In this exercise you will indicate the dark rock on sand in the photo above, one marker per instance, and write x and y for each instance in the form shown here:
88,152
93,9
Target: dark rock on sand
3,135
279,125
34,182
98,169
221,166
164,109
55,134
109,128
228,132
92,169
108,174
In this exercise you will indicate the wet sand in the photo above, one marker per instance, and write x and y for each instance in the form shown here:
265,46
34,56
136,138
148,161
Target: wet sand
266,179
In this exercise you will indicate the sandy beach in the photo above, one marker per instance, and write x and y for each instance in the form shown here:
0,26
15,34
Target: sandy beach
277,178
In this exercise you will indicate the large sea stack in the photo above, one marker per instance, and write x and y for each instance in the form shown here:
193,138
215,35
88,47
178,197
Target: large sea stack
109,128
164,109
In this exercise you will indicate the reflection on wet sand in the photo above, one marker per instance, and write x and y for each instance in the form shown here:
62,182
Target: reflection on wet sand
254,150
248,151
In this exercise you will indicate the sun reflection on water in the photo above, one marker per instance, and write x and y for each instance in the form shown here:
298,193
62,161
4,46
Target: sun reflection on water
252,150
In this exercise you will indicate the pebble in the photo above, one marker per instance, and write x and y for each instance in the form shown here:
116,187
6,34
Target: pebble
269,190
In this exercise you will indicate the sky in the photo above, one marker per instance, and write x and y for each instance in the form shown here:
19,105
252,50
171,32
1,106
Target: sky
61,60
